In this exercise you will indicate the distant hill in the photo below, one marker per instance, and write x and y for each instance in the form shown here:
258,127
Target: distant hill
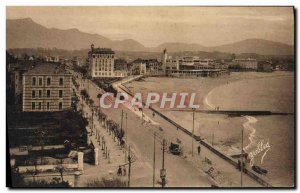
259,46
179,47
25,33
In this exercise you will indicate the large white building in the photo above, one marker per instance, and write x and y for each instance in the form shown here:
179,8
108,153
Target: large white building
190,66
101,63
249,64
149,67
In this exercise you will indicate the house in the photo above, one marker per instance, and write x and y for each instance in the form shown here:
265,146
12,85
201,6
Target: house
138,67
16,71
51,58
46,87
246,64
264,66
142,67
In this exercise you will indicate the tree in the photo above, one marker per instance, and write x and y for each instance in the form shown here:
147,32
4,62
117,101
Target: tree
233,56
111,183
55,183
40,135
85,94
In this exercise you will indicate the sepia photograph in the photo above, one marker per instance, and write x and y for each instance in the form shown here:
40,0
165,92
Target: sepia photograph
150,97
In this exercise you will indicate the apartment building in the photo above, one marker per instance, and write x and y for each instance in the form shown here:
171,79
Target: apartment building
248,64
46,87
101,63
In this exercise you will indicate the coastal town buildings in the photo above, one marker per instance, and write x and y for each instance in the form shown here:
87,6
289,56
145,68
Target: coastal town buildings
101,63
143,67
51,59
190,66
247,64
264,66
138,67
16,71
76,61
46,87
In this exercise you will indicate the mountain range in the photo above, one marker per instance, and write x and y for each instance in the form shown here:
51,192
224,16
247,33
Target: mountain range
25,33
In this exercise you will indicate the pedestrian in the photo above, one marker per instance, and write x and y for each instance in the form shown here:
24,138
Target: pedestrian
153,114
199,149
124,171
119,173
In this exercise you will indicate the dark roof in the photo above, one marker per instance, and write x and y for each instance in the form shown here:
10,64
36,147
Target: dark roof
47,68
102,51
139,60
21,65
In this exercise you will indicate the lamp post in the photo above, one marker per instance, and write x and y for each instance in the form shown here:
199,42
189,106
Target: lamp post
163,170
242,156
193,132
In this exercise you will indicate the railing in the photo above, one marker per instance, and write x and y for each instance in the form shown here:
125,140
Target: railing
208,146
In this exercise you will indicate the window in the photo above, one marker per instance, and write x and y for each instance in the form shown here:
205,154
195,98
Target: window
48,81
48,94
40,106
40,93
33,105
60,105
40,81
61,81
33,81
33,94
60,94
48,105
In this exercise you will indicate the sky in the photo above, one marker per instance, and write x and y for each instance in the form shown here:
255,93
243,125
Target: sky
151,26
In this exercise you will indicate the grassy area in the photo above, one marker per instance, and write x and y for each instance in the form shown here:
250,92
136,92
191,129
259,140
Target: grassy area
25,128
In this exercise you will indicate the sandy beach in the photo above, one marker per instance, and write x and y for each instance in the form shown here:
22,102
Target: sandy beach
239,91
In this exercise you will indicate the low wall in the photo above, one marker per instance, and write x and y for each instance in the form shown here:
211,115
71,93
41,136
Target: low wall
46,168
208,146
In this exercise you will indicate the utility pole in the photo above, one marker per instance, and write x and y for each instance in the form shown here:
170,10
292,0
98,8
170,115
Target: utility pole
92,128
163,170
193,132
242,156
142,115
212,138
154,159
88,85
122,120
129,166
126,126
126,136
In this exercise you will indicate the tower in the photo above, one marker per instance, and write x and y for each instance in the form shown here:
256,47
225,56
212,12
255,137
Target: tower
164,60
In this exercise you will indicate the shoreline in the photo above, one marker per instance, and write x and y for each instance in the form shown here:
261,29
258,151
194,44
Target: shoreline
253,129
223,131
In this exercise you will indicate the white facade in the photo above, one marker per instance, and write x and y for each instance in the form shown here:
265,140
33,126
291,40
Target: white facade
139,68
52,59
247,63
101,63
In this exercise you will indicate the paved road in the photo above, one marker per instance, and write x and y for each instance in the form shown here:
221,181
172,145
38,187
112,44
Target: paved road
180,171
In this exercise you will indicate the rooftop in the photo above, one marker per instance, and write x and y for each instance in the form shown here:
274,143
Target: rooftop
21,65
245,59
139,60
101,51
47,68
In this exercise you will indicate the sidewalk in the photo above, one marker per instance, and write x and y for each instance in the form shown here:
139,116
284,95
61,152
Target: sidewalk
107,167
182,171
